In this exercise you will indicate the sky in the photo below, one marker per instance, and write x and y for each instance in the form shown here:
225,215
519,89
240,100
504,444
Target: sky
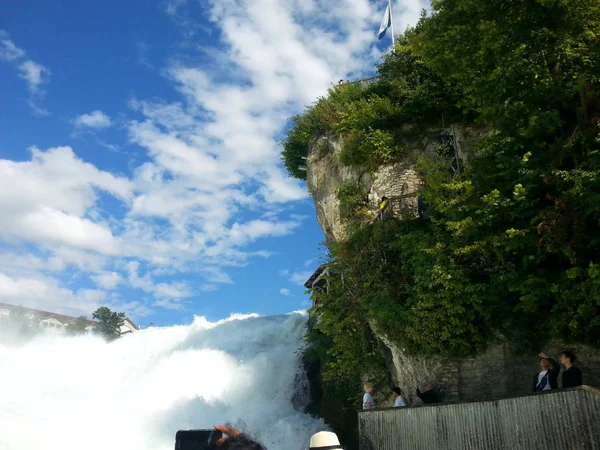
139,150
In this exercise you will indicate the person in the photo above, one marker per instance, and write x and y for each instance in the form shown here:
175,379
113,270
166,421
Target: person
368,401
383,208
571,377
547,378
236,440
325,440
397,397
428,395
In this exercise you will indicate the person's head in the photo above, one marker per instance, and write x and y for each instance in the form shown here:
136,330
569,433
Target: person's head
368,387
241,442
428,387
544,364
567,358
325,440
384,198
396,392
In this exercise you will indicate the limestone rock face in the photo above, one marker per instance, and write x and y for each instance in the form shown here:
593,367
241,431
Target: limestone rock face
325,174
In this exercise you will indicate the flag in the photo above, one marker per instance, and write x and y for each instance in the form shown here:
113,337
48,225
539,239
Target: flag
386,22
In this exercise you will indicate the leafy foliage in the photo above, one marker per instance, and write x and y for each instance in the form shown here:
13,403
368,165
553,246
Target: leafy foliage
375,118
109,323
77,326
511,247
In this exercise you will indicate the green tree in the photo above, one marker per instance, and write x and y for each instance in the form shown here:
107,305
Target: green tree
109,323
77,326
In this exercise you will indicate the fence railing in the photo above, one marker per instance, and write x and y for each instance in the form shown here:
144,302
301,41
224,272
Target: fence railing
553,420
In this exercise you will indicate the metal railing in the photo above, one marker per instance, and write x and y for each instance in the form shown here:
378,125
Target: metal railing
560,419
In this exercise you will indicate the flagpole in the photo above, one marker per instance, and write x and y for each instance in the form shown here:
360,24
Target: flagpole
391,22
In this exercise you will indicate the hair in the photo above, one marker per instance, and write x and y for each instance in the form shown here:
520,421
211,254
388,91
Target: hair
384,198
368,385
241,442
397,390
569,355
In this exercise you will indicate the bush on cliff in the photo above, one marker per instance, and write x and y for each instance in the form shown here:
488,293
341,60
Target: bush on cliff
512,246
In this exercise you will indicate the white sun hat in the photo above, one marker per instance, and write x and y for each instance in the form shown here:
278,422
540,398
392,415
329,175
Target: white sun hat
325,440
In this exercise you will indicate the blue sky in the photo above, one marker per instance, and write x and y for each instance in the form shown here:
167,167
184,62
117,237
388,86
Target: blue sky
139,156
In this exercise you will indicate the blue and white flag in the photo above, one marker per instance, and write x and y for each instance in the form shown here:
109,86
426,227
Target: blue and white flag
386,22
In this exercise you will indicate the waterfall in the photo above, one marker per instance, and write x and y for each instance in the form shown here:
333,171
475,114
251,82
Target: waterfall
70,393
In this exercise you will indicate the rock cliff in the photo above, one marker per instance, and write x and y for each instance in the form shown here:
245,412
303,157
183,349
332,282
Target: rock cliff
495,373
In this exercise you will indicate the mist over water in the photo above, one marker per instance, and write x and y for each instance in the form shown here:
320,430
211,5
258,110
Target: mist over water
134,394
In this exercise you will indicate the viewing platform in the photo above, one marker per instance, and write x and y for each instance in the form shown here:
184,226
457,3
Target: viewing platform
553,420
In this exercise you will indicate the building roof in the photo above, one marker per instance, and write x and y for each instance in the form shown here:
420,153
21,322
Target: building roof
127,319
313,278
63,318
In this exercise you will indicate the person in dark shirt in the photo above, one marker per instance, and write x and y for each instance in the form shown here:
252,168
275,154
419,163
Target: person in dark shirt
571,377
428,395
547,377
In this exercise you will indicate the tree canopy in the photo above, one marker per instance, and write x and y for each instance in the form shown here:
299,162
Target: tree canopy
512,245
77,326
109,323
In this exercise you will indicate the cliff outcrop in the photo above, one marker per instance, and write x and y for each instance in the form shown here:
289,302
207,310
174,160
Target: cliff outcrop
497,372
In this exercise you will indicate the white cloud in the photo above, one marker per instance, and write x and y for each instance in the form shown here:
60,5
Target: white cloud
107,280
163,291
298,277
47,200
215,275
208,287
210,182
46,294
171,290
33,73
285,292
95,120
9,51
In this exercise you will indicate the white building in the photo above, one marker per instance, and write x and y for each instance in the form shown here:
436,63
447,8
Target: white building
58,322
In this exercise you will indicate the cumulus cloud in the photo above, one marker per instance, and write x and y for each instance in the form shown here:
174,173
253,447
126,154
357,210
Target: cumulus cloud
46,294
170,291
210,182
95,120
107,280
47,201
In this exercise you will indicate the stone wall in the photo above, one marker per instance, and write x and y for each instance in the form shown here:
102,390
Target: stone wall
498,372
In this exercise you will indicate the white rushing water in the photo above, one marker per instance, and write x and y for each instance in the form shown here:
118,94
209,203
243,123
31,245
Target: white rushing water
134,394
